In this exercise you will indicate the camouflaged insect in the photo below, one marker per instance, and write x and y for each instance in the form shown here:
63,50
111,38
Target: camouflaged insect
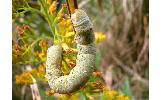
85,62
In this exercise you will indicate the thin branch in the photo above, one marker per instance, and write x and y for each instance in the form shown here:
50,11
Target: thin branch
34,86
70,13
68,6
145,46
130,71
83,3
75,4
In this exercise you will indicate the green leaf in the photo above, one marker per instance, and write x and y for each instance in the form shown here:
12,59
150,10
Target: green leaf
126,88
98,58
59,5
83,96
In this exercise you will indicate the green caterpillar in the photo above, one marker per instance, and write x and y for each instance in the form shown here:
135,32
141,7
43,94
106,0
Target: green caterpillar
85,62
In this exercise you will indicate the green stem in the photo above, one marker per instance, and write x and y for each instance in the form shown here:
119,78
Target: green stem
47,16
32,44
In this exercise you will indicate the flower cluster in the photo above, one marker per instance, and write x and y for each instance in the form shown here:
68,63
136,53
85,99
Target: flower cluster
40,55
27,76
113,95
20,45
24,78
90,90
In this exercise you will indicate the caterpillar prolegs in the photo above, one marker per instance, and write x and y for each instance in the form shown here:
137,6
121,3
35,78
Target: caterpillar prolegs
85,61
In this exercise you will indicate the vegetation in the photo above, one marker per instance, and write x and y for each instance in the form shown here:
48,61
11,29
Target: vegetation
121,37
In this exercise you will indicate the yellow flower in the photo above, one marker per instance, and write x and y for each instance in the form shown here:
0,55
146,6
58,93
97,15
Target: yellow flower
43,44
41,69
97,84
70,28
68,49
122,97
64,67
111,94
57,20
49,2
70,34
52,7
99,37
24,78
42,55
68,22
50,93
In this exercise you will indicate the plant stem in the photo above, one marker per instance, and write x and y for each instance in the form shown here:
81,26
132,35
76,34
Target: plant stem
48,18
75,4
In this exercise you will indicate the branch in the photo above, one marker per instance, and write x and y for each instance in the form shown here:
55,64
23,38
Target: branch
75,4
83,3
130,71
34,86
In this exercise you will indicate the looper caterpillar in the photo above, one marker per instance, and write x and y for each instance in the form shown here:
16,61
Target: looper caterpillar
85,62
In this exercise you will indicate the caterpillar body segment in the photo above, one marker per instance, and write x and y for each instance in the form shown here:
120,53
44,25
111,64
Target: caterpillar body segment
53,62
86,49
85,61
81,21
84,38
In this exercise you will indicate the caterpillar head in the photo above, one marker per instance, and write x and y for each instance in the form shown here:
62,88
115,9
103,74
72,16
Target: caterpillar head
81,21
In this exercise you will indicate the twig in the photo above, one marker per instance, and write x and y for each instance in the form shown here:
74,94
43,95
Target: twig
70,10
117,85
23,89
130,71
83,3
68,6
145,47
75,4
34,86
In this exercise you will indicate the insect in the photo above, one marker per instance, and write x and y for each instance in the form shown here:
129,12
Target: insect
85,62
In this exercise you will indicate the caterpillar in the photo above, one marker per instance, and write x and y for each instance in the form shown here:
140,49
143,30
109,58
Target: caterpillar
85,61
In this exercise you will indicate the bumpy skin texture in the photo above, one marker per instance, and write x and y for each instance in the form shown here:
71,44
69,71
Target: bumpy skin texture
85,62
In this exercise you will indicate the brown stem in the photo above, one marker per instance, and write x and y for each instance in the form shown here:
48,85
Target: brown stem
68,6
75,4
130,71
76,7
34,87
